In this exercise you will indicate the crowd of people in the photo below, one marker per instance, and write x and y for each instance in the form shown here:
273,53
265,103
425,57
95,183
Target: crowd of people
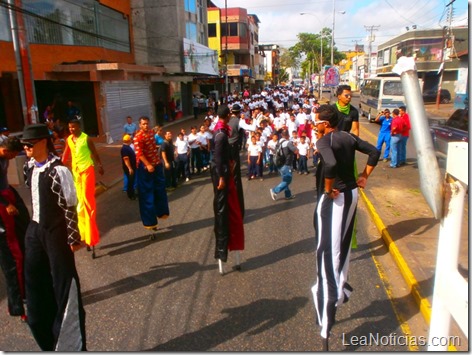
39,264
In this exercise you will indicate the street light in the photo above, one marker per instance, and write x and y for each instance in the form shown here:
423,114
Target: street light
332,32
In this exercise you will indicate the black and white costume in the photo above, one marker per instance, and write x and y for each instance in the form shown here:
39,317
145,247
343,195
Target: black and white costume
334,221
55,312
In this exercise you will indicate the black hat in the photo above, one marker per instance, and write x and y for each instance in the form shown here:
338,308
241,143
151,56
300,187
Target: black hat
4,129
35,131
236,108
223,111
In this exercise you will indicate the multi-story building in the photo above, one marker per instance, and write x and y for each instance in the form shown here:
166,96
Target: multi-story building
234,34
271,63
435,51
110,58
173,34
80,52
350,68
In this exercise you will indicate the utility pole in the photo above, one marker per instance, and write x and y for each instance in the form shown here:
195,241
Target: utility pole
356,75
371,39
443,56
226,52
23,62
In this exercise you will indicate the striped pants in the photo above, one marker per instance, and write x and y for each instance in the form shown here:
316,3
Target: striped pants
334,223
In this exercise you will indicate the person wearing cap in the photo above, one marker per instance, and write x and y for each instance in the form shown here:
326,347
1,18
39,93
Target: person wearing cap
84,156
228,228
128,163
56,315
14,219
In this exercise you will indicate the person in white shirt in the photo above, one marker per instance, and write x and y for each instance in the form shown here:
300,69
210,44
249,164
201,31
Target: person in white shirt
292,124
301,121
279,121
303,148
183,153
254,156
204,147
271,145
195,153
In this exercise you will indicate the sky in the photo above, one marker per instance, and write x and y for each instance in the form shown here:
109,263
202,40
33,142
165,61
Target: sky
280,20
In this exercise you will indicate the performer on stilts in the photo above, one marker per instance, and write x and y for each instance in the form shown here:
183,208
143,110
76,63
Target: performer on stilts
84,156
56,315
335,213
229,227
153,202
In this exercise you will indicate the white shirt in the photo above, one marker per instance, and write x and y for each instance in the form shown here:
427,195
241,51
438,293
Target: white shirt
181,145
303,148
271,146
195,138
254,149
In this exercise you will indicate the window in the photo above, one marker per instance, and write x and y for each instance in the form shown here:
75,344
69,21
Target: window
191,6
191,31
393,88
233,29
82,22
211,30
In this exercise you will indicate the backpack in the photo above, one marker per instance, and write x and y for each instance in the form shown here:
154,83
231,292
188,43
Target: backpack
279,156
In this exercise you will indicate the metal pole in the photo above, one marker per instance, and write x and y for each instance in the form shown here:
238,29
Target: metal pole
23,62
332,36
320,90
226,52
443,57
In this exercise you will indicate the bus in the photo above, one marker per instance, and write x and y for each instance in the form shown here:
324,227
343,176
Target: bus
380,93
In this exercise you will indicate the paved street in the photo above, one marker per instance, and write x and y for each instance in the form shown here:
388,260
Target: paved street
167,294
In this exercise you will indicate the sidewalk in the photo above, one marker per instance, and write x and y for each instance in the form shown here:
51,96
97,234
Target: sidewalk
394,200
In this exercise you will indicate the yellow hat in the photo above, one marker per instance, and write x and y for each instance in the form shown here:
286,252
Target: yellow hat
126,138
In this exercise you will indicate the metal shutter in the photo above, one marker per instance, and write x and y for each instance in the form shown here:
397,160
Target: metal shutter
122,99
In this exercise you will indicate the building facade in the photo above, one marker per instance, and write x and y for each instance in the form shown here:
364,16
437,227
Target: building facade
435,51
235,35
110,58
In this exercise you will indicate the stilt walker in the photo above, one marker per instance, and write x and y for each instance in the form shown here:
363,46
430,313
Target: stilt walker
335,214
84,155
153,202
229,226
56,315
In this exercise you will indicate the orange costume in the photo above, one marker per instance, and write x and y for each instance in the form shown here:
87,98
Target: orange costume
84,180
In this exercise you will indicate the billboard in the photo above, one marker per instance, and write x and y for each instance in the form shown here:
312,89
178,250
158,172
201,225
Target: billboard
199,59
331,77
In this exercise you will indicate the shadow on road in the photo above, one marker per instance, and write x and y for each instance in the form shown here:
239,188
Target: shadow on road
163,275
253,318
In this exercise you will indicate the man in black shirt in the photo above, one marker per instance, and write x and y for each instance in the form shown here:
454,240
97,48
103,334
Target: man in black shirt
335,212
347,114
167,153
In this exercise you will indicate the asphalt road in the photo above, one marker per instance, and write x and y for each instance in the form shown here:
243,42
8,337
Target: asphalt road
167,294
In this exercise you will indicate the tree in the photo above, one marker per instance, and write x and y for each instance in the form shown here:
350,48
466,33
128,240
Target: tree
307,51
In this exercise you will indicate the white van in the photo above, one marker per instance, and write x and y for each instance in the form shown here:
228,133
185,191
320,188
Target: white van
380,93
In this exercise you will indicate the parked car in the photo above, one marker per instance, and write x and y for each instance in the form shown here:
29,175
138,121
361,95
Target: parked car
455,129
431,95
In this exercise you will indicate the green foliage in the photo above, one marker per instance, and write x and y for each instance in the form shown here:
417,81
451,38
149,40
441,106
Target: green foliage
306,53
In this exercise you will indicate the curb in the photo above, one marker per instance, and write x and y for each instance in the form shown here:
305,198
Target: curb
423,303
